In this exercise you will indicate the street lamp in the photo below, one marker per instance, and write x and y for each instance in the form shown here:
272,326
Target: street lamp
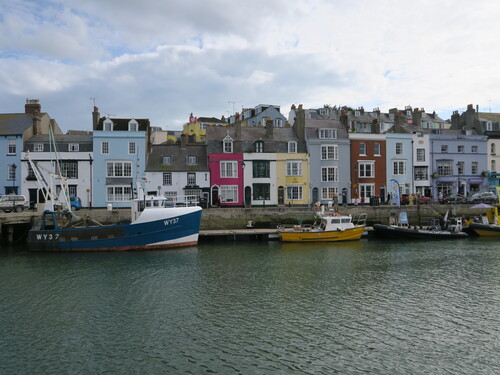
14,167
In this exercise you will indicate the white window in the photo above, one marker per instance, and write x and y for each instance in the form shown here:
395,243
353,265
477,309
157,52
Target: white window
461,148
444,148
278,123
294,192
104,147
420,154
329,174
167,179
328,193
399,148
73,147
38,147
366,190
366,169
460,167
119,193
444,168
294,168
399,167
131,148
327,133
12,146
473,149
191,178
228,169
227,145
362,149
108,125
292,147
166,159
119,169
192,159
203,126
473,167
133,125
489,126
493,166
329,152
229,193
376,149
259,146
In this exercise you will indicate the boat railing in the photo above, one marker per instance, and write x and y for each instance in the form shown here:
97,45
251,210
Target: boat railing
177,201
359,219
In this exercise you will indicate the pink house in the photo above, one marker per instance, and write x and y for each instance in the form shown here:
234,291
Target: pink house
226,179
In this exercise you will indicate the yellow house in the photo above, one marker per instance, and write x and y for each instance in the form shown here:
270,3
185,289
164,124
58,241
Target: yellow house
293,178
196,128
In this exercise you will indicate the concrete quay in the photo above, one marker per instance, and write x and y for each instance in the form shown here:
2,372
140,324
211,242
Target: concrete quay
234,222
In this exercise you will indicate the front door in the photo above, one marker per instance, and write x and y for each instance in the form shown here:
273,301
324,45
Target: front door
281,195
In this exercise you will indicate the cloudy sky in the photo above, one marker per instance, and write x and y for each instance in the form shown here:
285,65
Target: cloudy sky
163,59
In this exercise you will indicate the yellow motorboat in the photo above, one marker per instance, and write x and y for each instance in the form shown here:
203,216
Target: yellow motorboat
329,228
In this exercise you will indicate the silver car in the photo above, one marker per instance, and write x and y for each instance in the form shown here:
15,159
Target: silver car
12,202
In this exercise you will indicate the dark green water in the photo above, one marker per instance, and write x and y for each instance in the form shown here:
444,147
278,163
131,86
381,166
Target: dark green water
368,307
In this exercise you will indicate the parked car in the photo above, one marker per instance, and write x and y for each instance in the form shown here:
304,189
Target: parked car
483,197
13,202
76,203
454,198
405,199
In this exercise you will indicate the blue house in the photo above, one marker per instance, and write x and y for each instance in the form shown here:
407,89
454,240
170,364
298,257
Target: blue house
399,161
120,149
458,162
15,129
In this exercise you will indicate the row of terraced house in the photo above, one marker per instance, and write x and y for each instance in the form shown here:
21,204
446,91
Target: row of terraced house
257,157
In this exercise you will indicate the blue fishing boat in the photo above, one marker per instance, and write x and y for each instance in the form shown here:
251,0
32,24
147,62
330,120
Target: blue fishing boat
156,223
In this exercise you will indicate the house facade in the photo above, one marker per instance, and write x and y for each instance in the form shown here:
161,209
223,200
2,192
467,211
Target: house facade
74,156
120,148
15,129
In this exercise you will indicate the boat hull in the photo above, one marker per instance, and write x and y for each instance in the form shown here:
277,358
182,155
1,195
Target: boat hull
391,231
323,236
485,230
154,230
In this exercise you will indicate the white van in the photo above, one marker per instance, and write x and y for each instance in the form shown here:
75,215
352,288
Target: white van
13,202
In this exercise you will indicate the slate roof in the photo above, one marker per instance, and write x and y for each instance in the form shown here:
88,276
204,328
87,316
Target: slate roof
15,123
313,125
277,142
122,123
179,157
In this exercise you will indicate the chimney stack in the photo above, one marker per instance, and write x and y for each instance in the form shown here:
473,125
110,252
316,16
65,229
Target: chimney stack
95,118
31,106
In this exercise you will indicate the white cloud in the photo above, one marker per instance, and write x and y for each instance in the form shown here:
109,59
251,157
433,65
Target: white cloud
164,60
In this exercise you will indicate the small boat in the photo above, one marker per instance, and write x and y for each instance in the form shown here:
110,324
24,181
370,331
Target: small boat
329,228
486,225
452,229
157,223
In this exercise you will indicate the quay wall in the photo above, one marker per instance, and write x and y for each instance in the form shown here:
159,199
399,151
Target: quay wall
12,225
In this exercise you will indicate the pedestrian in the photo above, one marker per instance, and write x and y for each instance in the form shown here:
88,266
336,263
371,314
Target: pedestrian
344,198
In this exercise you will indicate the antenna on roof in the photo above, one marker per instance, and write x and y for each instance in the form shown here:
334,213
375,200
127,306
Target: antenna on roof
93,101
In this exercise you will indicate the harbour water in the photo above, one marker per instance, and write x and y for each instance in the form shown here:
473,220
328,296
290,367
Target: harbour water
363,307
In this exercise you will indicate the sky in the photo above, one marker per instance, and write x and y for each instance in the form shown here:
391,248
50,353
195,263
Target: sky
166,59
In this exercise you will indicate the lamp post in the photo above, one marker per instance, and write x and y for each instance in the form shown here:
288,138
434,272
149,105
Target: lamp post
458,178
14,167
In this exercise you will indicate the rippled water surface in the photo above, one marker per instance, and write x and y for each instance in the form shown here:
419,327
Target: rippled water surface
367,307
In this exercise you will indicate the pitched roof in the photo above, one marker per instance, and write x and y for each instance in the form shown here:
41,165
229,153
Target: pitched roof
179,157
15,123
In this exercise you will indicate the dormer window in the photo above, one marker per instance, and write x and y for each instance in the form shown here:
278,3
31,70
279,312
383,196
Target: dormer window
292,147
489,126
408,113
227,144
259,146
73,147
133,125
166,159
108,125
263,122
357,113
278,122
192,159
327,133
391,116
38,147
